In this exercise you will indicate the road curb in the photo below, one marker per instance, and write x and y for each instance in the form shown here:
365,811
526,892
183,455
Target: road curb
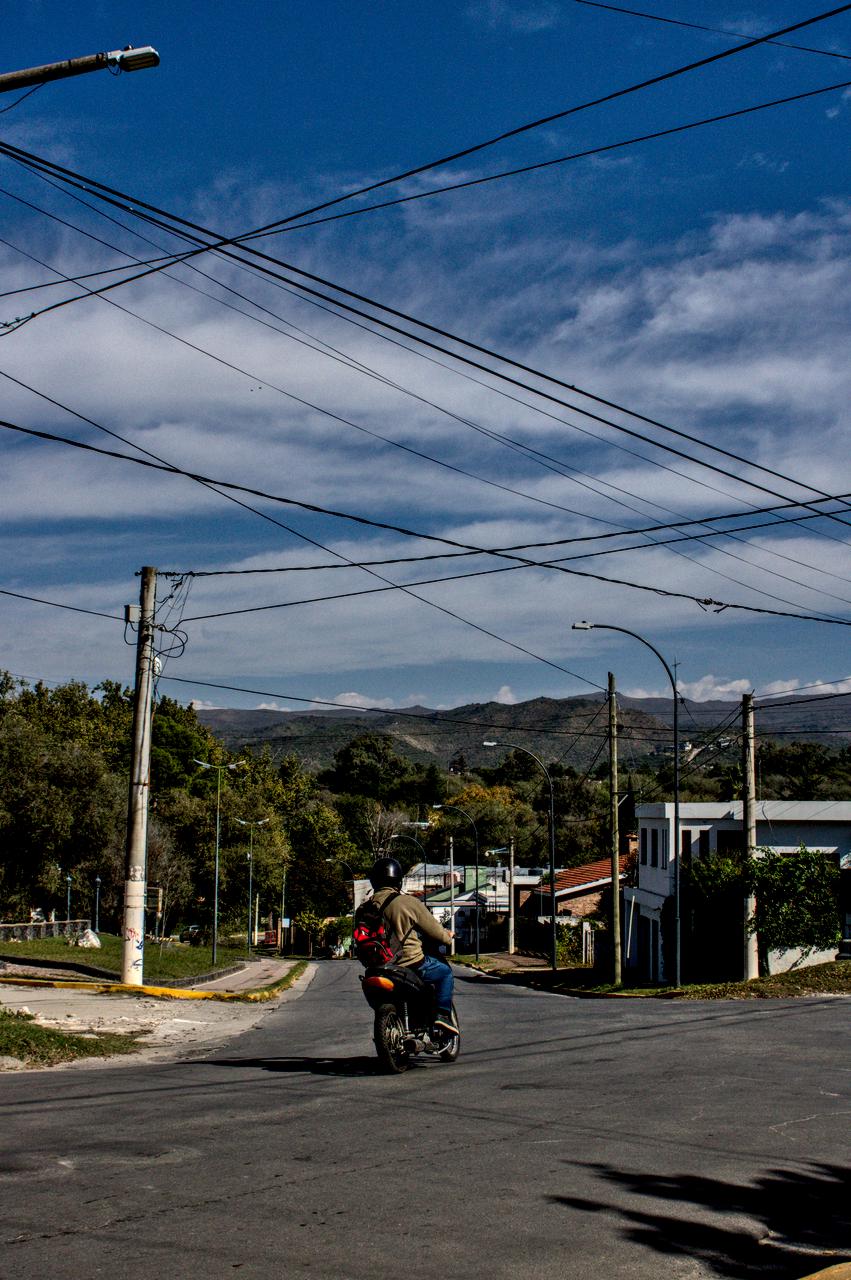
842,1271
258,995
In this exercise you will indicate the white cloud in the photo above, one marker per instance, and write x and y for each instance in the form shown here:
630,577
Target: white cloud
361,701
812,689
526,18
711,688
506,696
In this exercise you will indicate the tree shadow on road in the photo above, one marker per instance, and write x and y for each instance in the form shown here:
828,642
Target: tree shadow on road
798,1220
360,1065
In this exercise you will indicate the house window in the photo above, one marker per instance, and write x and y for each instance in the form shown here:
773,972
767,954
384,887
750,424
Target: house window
728,842
654,847
703,843
644,846
685,846
664,846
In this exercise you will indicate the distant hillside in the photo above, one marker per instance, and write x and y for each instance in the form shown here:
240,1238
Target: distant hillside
567,729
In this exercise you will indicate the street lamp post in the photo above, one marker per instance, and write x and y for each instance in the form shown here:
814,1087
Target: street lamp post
128,59
68,900
97,904
352,874
219,768
605,626
243,822
400,835
456,808
552,841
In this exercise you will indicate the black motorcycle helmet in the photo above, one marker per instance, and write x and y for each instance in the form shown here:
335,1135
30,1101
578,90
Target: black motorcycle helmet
386,872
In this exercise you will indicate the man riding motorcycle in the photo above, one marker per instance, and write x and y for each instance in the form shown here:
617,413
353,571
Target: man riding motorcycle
408,919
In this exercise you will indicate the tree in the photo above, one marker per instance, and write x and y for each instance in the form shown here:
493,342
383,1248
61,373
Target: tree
368,766
796,901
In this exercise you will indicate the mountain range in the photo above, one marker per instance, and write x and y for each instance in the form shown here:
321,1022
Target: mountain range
570,730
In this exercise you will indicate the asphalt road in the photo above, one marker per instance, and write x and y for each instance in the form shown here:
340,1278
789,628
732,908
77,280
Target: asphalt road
572,1138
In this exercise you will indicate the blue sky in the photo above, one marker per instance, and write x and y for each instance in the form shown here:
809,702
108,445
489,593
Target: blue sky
701,280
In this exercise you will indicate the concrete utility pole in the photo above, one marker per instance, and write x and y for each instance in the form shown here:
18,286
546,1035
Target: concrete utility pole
452,894
615,833
511,896
133,933
751,942
128,59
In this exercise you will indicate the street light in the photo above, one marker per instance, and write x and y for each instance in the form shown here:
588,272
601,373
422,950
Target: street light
97,904
219,768
552,834
68,900
243,822
128,59
605,626
400,835
458,809
343,862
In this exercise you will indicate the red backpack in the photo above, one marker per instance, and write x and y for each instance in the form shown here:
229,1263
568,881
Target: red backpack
372,934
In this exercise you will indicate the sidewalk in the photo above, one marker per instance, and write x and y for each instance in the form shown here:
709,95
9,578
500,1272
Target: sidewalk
178,1023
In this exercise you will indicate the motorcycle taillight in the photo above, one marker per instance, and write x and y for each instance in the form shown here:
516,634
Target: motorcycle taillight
377,983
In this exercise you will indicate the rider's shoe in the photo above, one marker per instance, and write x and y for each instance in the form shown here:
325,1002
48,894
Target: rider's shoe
445,1022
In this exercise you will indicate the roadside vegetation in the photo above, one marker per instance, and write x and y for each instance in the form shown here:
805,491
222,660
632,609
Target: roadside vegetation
833,978
162,962
21,1037
64,758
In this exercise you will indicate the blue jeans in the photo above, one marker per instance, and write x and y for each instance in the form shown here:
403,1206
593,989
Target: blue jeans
438,973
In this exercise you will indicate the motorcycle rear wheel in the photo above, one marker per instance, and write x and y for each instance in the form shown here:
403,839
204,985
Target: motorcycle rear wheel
390,1040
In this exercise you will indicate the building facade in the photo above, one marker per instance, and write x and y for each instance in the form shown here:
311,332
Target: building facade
717,827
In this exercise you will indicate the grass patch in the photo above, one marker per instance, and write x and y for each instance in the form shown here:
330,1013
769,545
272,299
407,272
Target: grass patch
833,978
266,993
162,963
21,1037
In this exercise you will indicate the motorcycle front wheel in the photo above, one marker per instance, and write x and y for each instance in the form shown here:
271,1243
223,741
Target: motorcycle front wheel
390,1039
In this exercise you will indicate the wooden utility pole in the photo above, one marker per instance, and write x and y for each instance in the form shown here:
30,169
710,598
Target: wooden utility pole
615,834
750,940
133,933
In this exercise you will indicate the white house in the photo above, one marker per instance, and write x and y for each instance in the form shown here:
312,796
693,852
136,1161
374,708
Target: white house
706,828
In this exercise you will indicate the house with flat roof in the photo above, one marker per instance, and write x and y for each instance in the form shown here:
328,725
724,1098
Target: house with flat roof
717,827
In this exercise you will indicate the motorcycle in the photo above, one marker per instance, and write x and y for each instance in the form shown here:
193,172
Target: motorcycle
404,1007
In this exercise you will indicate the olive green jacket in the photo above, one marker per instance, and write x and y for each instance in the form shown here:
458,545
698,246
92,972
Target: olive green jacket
407,918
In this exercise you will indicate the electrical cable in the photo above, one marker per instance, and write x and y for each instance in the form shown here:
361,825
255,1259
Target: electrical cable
718,31
703,601
55,604
553,162
563,114
815,685
259,264
308,404
397,444
18,101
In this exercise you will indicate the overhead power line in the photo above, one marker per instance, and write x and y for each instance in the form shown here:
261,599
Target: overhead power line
57,604
261,262
563,114
554,161
705,602
360,367
697,26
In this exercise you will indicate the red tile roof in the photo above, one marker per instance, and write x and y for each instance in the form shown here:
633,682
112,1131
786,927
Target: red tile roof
588,874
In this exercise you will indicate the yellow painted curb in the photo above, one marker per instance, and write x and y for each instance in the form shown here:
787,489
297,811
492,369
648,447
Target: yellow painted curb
163,993
842,1271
